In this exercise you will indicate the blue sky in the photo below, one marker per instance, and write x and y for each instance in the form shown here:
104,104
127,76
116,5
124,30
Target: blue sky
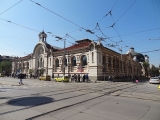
136,21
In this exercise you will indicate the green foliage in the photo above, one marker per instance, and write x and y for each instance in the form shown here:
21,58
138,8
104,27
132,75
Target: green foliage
6,66
154,72
30,71
41,71
146,68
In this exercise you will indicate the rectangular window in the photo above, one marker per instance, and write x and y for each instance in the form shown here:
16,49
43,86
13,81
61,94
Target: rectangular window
50,61
92,57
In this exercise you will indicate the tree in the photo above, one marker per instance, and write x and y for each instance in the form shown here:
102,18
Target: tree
154,71
6,67
41,71
146,68
30,71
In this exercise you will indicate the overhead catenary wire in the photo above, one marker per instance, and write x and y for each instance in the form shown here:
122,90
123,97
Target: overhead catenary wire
11,46
87,30
155,14
136,32
125,11
115,29
57,14
19,25
11,7
103,33
151,51
108,12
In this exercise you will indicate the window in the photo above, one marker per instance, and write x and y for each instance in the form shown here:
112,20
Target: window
57,63
65,61
74,61
41,62
84,60
104,60
50,61
92,47
92,57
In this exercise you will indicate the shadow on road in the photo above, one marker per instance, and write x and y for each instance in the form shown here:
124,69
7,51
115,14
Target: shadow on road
30,101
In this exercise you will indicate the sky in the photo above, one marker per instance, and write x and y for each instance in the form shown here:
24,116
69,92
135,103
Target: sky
122,23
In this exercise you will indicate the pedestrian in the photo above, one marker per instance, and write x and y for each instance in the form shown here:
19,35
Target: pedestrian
30,75
20,77
78,77
113,78
132,78
136,79
109,78
86,78
14,75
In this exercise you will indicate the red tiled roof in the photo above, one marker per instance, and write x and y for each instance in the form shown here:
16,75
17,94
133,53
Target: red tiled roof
26,57
76,46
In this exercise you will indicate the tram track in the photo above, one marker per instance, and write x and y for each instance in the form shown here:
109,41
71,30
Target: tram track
67,106
105,93
41,93
8,97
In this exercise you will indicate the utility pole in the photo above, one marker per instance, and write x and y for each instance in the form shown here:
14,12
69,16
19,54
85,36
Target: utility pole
121,60
64,60
64,57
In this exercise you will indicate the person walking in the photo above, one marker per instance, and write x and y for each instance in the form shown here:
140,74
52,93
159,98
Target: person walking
132,78
20,77
78,77
86,78
113,78
109,78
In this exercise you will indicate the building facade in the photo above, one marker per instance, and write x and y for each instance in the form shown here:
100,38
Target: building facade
84,57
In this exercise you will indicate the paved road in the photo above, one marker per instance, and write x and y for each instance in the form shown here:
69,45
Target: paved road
51,100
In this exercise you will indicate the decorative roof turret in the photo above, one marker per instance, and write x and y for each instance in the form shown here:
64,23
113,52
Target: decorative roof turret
42,36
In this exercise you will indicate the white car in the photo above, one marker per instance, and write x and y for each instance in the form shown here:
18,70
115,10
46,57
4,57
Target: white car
154,80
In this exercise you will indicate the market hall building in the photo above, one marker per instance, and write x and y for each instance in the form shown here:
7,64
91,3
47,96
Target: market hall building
84,57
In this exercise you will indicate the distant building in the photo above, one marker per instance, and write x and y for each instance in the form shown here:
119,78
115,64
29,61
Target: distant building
5,58
84,57
138,57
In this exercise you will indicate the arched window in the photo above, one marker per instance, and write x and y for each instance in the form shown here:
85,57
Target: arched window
92,57
57,63
50,61
104,60
84,60
92,47
74,61
65,61
41,62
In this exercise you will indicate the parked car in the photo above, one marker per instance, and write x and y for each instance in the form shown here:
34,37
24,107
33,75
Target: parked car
61,79
48,77
1,75
154,80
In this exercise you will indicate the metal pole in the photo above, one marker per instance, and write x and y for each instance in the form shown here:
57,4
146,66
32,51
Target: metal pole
64,60
121,60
